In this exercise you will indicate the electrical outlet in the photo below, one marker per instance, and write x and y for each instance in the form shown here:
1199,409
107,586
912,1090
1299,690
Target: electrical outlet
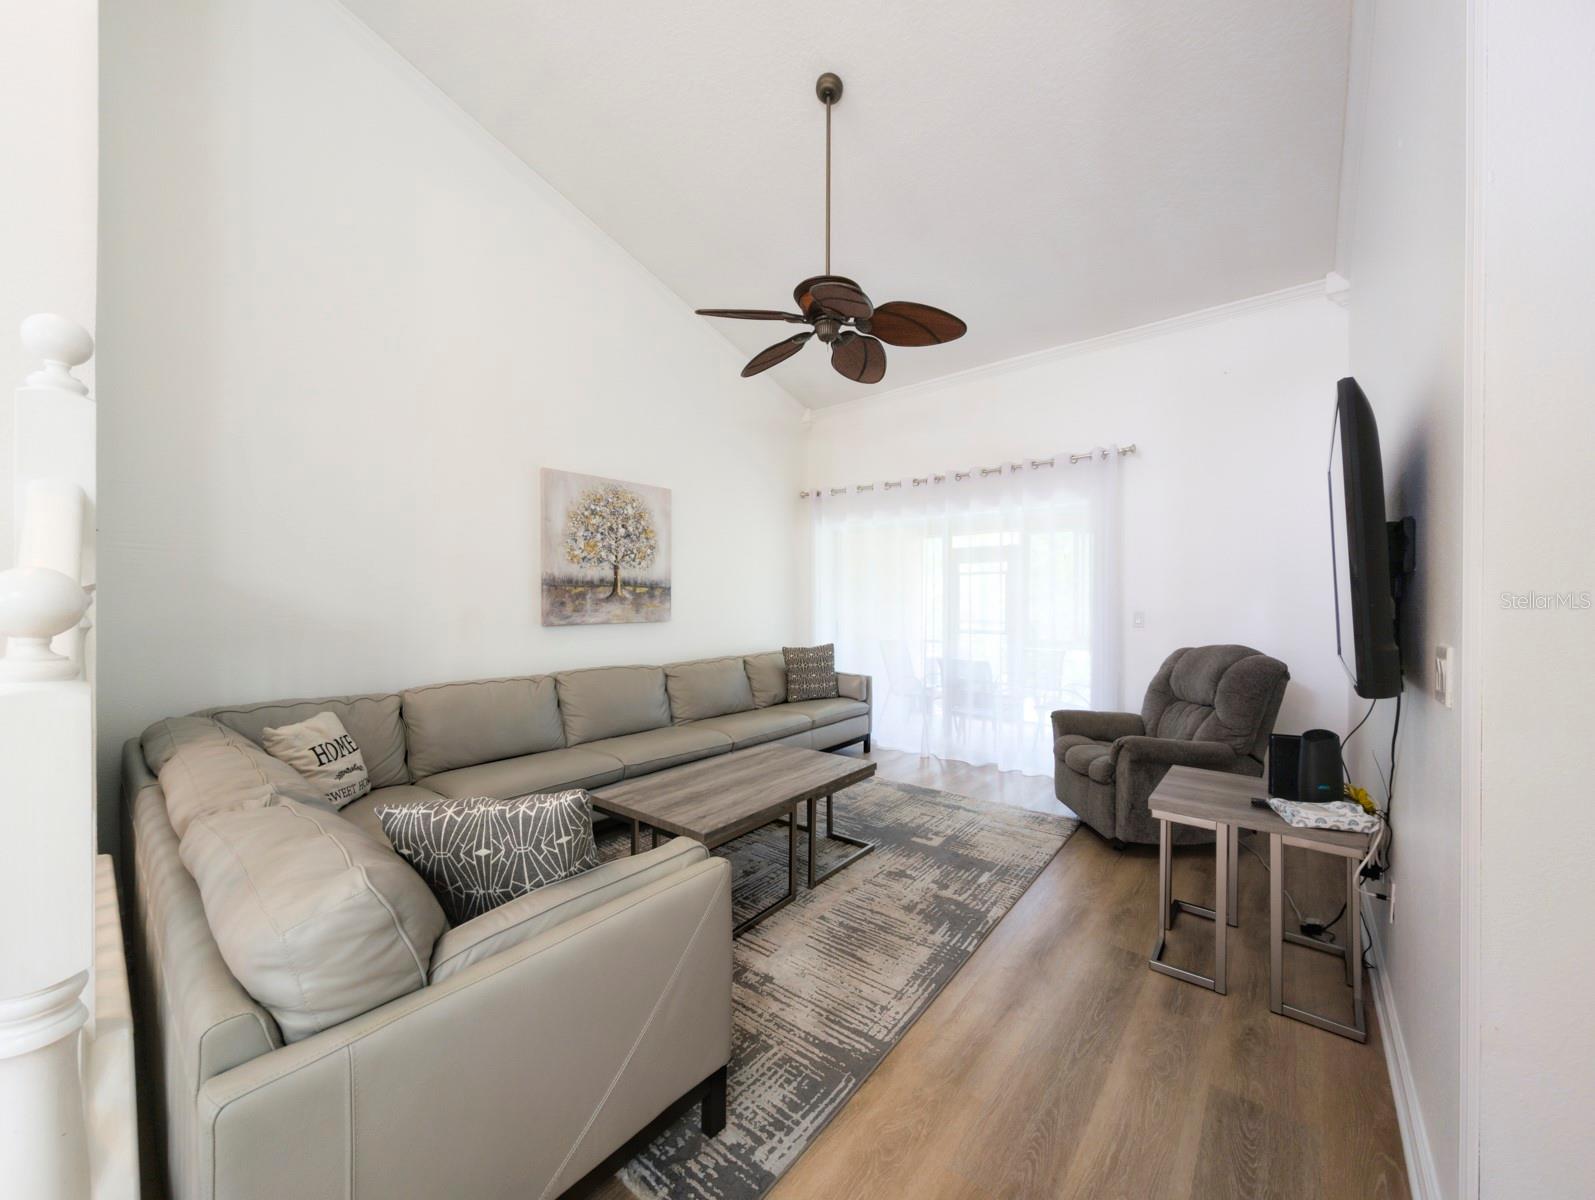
1138,620
1444,676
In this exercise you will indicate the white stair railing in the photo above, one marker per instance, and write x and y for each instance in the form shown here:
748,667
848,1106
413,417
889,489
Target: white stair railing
47,853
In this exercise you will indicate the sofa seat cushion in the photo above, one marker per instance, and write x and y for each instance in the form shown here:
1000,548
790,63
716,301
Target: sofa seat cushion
839,733
527,916
317,920
553,771
657,749
363,815
710,687
373,721
826,712
453,725
205,767
758,726
607,702
1086,757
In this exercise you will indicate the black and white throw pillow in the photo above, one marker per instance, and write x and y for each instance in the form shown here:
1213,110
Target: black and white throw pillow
810,672
478,853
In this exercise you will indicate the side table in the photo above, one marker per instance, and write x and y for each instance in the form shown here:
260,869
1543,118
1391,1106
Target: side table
1222,802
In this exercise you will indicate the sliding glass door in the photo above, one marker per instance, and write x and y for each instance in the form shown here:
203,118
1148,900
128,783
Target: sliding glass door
979,607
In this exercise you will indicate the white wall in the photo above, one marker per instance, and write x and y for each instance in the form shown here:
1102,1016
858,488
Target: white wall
1536,280
49,145
1225,521
1402,247
342,328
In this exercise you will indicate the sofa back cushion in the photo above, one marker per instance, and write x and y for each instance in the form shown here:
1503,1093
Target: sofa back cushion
204,767
767,677
452,725
1228,694
373,721
710,687
319,921
605,702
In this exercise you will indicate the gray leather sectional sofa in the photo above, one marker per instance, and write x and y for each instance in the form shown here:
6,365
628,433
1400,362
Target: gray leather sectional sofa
532,1054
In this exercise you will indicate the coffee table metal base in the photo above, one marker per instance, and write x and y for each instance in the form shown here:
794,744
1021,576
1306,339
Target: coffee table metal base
790,821
832,836
780,902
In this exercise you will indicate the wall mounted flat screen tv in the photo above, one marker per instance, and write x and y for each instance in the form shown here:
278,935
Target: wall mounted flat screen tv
1365,610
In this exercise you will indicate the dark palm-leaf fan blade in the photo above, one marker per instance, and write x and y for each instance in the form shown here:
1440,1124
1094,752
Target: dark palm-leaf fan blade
862,359
780,352
904,323
750,314
842,299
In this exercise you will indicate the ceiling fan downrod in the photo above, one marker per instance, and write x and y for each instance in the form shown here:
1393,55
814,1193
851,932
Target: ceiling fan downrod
829,89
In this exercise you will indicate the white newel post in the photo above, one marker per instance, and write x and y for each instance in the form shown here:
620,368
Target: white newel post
43,1146
47,865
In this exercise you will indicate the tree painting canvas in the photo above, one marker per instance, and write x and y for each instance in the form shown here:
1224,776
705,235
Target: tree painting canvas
606,550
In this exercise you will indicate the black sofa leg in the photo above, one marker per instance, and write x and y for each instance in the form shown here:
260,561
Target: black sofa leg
714,1104
1118,844
866,743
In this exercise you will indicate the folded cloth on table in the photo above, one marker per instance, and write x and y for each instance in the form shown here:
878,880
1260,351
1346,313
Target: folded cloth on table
1337,814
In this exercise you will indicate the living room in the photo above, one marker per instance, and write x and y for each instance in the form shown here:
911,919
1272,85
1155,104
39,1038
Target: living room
482,719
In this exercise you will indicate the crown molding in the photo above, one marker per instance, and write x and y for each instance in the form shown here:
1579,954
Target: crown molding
1317,289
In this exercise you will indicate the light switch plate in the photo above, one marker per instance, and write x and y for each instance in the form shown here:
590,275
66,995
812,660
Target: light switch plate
1444,676
1138,620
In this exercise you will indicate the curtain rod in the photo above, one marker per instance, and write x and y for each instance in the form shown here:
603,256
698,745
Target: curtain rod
925,480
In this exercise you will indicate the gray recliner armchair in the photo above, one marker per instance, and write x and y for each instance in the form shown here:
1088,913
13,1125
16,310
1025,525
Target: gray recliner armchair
1208,706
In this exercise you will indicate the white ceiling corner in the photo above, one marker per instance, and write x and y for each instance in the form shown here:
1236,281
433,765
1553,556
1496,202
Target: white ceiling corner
1051,172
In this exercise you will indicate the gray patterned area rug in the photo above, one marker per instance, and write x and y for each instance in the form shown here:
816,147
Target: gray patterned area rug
825,987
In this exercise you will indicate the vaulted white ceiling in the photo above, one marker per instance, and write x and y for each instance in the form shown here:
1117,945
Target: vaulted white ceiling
1049,170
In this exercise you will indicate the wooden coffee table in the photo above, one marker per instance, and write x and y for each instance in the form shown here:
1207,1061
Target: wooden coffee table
717,800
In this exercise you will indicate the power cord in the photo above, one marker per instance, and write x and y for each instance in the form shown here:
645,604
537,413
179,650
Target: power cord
1309,928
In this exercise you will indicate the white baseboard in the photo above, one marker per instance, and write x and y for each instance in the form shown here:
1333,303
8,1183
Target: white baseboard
1422,1180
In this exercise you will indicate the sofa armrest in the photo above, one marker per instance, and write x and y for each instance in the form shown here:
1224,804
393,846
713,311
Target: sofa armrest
1098,726
520,1073
854,687
1173,752
524,917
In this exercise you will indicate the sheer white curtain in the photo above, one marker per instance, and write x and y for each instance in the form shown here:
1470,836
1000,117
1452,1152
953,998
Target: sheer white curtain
979,603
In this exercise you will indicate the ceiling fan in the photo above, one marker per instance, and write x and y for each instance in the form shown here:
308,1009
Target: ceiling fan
841,314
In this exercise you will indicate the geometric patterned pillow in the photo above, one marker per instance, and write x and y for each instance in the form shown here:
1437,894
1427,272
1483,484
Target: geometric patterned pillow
479,853
810,671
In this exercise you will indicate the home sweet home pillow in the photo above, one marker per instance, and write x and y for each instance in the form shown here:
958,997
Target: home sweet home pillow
321,750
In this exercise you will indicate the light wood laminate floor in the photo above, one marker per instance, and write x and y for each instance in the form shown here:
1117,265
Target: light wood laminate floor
1056,1065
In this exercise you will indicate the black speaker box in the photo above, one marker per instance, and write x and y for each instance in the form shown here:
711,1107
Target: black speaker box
1318,775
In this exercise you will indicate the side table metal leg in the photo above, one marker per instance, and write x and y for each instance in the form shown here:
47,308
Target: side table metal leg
1354,952
1234,876
1276,924
1221,905
1353,927
1165,871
